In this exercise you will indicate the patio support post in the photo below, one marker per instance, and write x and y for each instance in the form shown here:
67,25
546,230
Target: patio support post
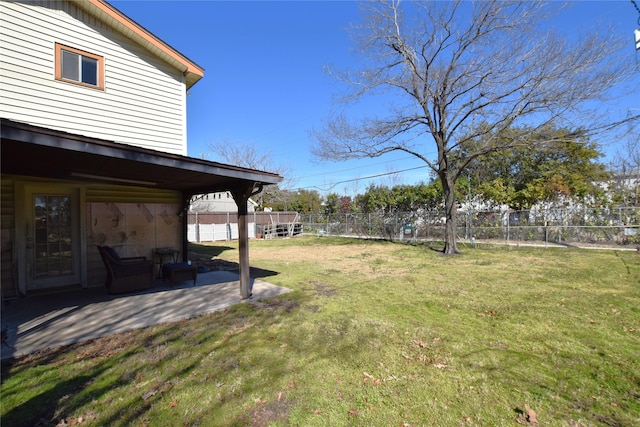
184,214
241,197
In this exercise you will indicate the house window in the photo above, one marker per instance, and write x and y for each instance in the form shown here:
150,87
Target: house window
79,67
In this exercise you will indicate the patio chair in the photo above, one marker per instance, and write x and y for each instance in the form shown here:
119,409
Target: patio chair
126,274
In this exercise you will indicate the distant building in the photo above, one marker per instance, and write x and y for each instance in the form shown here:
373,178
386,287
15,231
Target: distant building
213,217
218,202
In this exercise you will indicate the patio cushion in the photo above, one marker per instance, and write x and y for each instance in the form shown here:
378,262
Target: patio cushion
180,271
173,266
111,252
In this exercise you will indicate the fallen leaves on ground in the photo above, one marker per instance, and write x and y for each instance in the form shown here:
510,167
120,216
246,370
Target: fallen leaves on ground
74,421
149,394
531,415
528,416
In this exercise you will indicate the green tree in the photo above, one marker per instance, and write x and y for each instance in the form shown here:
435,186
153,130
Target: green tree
305,201
374,199
302,201
439,67
331,203
543,165
414,198
400,198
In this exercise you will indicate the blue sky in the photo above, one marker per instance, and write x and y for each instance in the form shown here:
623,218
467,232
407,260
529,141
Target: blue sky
264,82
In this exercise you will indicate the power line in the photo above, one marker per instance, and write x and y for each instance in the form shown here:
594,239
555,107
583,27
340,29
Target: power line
633,2
358,179
356,167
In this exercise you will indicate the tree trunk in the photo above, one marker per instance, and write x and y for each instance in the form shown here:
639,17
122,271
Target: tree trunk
450,245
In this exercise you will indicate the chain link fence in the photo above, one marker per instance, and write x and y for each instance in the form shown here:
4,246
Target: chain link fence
606,226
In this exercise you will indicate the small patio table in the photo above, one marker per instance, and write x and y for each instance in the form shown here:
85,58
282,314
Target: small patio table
161,254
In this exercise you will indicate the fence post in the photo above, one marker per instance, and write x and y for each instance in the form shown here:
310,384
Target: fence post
546,233
346,224
395,220
428,231
197,227
466,228
620,224
620,216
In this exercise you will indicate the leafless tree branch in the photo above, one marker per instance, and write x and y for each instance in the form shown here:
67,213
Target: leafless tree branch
455,72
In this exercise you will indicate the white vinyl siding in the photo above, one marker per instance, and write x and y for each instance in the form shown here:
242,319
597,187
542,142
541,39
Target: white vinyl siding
144,99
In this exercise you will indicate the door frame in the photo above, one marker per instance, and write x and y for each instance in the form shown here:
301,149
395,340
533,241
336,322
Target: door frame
23,227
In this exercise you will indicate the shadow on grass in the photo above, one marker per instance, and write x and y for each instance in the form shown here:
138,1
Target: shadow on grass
257,273
41,409
144,375
90,392
208,256
60,397
213,251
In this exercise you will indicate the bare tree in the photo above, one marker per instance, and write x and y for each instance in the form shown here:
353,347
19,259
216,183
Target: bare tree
461,71
244,155
626,173
248,156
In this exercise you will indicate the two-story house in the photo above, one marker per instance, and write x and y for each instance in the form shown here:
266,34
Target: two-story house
94,143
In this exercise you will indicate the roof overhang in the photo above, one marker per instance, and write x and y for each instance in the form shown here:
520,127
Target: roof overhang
41,152
105,12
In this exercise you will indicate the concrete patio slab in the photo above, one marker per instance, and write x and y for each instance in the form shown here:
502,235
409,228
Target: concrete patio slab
40,322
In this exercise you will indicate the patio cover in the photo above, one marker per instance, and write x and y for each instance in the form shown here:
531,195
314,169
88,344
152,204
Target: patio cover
36,151
41,152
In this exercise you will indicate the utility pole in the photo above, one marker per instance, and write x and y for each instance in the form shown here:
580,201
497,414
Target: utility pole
637,31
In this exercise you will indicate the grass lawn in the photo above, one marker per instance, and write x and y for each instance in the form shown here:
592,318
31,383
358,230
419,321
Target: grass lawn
374,334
